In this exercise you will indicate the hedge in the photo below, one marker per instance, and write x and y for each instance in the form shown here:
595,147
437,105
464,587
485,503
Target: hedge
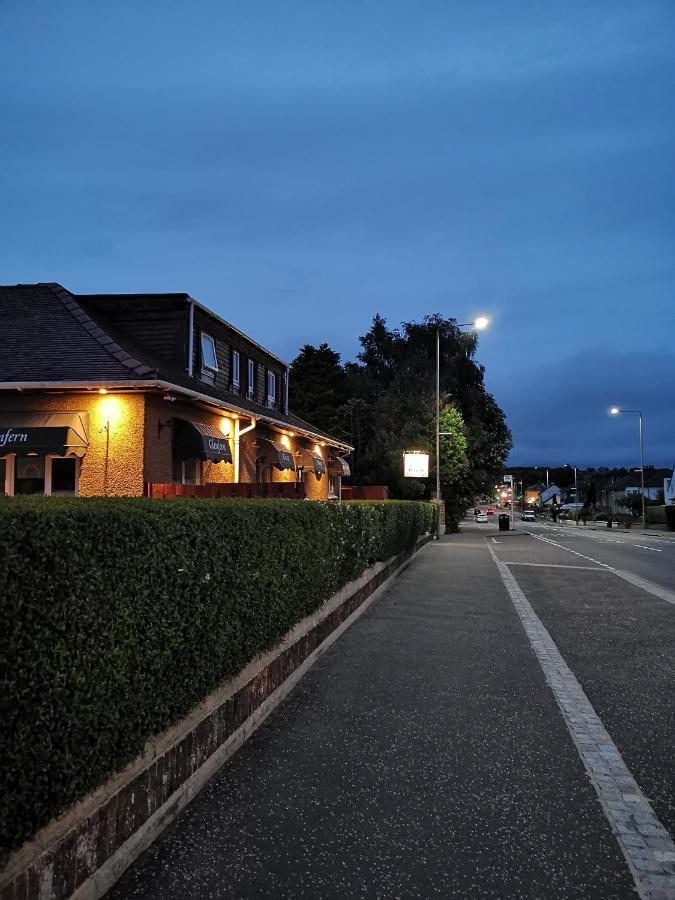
118,616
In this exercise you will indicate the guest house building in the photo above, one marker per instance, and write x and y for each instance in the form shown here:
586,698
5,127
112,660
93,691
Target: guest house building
148,394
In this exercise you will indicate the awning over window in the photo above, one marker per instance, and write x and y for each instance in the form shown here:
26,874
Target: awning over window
275,453
195,440
338,466
311,459
36,433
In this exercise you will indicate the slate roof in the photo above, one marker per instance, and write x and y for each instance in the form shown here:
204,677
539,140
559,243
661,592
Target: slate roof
47,336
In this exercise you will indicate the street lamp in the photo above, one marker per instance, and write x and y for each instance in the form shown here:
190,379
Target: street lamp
478,324
616,411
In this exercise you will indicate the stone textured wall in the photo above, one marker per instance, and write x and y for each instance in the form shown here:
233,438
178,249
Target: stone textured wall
113,463
158,457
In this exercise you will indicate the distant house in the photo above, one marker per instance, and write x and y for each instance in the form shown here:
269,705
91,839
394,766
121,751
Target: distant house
669,488
550,495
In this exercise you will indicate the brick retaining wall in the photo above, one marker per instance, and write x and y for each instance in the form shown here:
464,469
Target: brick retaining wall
84,851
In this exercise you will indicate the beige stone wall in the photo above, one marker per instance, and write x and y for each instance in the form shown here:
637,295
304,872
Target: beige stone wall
158,457
113,463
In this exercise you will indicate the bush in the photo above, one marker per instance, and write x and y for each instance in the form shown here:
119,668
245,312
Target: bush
119,615
656,515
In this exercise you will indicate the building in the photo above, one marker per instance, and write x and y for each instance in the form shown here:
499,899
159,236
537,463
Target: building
112,394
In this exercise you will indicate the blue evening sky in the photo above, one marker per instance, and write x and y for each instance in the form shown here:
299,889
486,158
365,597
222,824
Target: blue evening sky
301,166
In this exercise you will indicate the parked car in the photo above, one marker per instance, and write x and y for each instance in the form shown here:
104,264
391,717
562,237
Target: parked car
481,517
527,515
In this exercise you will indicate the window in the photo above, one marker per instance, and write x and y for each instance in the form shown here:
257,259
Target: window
235,368
271,389
209,360
64,476
250,379
30,475
3,474
333,485
186,471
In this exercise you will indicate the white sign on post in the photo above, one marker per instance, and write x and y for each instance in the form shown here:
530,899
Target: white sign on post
507,479
416,465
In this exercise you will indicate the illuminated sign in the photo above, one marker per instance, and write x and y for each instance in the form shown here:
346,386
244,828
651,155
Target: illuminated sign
416,465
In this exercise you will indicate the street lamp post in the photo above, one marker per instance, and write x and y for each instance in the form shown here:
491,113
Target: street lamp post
479,323
616,411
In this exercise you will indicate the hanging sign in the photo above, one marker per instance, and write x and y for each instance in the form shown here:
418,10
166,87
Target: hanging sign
416,465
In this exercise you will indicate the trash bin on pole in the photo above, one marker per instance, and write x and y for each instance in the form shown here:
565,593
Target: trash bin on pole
503,522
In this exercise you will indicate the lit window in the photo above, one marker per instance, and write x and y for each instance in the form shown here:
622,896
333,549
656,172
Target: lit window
209,360
271,387
250,378
235,368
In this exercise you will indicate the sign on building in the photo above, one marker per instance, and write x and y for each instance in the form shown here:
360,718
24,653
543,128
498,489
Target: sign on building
416,465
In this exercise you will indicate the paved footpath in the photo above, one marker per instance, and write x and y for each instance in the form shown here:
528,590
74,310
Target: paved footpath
425,755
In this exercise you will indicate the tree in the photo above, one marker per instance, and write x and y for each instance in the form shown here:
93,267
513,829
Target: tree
385,402
318,388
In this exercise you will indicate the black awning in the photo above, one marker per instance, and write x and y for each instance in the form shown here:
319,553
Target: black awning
312,459
337,465
195,440
39,433
275,453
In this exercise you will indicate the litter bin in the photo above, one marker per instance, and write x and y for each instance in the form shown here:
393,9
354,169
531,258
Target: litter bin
503,522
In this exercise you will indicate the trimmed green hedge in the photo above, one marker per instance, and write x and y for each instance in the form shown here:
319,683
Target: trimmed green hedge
118,616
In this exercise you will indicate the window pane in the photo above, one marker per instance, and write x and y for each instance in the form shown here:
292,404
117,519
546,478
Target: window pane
209,353
190,471
30,475
3,474
235,367
251,376
63,476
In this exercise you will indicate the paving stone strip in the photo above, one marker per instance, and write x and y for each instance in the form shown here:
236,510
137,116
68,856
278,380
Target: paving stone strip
645,843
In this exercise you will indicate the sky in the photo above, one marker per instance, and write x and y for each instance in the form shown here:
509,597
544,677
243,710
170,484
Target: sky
301,166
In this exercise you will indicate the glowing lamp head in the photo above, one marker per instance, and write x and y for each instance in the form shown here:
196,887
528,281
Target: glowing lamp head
614,411
481,322
103,390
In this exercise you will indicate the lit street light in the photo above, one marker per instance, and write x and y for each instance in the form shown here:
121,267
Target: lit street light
479,324
616,411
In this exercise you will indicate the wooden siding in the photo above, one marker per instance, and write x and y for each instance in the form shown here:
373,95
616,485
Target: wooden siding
158,326
226,341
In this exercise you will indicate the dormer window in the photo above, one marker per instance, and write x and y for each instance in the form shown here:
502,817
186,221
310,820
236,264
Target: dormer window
271,389
250,379
235,368
209,360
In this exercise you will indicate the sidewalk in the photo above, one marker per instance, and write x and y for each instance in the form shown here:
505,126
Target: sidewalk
652,531
423,756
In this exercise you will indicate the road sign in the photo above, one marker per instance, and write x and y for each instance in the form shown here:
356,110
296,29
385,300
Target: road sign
507,479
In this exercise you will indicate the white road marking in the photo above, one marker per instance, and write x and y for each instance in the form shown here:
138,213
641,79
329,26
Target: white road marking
649,586
496,542
642,547
538,537
645,843
556,566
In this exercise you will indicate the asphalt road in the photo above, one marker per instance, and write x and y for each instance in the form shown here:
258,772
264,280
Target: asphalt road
428,754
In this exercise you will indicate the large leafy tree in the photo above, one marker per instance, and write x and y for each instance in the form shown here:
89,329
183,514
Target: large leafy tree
388,406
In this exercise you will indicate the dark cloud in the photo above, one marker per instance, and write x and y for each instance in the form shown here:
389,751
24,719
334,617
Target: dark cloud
400,158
